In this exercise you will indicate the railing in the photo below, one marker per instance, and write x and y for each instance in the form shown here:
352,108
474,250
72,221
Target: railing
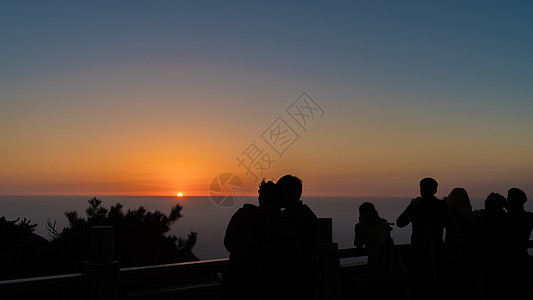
102,279
168,280
49,287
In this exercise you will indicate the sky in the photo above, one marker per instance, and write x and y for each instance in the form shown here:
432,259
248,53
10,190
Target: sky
358,98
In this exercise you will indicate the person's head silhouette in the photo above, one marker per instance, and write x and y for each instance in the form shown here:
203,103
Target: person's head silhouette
428,187
458,199
269,195
291,187
516,199
495,203
368,210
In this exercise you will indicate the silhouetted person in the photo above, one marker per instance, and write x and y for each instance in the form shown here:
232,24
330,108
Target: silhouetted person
461,240
521,226
262,249
428,216
495,225
370,232
305,223
384,267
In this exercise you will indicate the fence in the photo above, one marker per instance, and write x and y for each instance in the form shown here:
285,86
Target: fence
103,279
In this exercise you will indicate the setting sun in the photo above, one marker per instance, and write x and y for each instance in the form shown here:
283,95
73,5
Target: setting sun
180,194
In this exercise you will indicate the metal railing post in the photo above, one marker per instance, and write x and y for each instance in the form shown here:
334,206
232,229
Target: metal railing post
101,269
328,261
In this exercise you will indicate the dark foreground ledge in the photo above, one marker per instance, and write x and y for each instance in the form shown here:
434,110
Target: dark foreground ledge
189,280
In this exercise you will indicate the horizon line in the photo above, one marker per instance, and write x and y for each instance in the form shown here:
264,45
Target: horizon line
189,196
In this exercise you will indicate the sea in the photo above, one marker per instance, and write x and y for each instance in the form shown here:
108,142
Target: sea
206,217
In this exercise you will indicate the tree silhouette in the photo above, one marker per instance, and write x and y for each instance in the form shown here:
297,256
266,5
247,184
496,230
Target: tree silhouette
22,252
141,236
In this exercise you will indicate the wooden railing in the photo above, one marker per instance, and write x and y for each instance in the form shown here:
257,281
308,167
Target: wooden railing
102,278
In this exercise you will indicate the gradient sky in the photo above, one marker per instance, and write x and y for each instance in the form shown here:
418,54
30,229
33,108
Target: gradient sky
157,97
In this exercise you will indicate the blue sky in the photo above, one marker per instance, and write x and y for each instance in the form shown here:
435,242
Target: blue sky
454,77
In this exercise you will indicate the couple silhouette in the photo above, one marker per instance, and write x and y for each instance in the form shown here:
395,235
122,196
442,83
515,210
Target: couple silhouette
272,246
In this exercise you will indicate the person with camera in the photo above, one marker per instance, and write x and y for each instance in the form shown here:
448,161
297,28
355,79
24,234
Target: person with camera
428,216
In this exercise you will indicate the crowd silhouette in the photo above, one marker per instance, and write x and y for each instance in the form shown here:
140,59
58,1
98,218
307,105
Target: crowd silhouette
456,252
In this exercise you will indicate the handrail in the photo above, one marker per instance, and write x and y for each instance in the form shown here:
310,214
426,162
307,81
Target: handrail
212,264
161,277
358,252
49,287
171,278
352,252
42,280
